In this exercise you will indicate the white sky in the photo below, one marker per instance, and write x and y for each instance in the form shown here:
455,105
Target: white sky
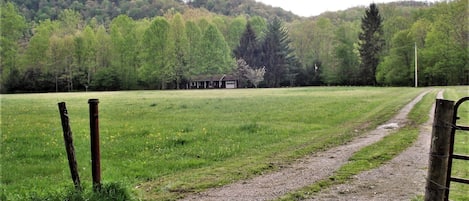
308,8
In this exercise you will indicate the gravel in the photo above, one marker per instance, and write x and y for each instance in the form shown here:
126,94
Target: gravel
400,179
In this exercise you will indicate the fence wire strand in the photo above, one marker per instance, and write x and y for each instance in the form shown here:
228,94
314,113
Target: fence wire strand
442,187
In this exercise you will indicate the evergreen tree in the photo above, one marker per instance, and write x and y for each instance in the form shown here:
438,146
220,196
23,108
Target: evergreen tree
277,56
248,48
371,42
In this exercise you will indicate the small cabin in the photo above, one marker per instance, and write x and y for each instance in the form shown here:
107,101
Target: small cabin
214,82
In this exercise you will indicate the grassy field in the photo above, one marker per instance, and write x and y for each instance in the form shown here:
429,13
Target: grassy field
390,146
163,143
460,168
374,155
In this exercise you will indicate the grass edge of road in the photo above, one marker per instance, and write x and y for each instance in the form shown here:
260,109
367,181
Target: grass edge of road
374,155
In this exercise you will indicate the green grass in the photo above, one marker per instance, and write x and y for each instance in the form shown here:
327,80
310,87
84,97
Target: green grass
374,155
461,144
107,192
162,144
390,146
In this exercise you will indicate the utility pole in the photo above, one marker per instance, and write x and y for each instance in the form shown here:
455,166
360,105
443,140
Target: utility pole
416,75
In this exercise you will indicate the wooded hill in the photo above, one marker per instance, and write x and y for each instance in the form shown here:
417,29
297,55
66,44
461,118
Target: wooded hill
106,10
117,45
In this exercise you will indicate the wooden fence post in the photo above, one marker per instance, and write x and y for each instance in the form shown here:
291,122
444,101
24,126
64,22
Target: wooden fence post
439,151
68,139
94,136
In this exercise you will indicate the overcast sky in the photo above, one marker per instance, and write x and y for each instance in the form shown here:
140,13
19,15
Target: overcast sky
308,8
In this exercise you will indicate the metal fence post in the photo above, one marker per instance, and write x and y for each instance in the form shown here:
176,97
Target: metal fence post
94,136
439,151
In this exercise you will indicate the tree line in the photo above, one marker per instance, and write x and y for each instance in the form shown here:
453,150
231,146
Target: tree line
70,54
333,43
106,10
73,53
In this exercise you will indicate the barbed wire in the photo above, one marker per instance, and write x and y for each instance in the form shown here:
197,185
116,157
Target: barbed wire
443,187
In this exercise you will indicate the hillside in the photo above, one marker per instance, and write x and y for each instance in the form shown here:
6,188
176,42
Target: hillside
106,10
356,13
64,45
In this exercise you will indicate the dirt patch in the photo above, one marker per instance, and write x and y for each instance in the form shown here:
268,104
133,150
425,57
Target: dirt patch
308,170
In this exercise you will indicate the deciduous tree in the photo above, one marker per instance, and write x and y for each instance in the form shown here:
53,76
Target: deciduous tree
396,69
253,75
346,55
235,30
156,69
12,26
178,36
446,52
194,37
125,51
216,55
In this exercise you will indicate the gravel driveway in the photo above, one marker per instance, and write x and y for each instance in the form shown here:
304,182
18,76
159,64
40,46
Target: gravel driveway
400,179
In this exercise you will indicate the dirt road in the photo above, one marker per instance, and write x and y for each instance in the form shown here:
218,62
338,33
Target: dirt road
402,178
367,186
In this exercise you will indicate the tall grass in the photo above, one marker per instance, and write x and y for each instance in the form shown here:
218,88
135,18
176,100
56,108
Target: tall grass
165,143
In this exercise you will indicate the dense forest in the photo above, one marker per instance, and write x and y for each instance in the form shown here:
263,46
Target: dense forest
65,45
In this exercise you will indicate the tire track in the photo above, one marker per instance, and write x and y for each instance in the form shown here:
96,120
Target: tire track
402,178
304,171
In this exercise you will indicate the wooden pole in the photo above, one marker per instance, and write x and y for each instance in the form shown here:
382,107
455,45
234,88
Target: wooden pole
68,139
416,62
94,136
439,151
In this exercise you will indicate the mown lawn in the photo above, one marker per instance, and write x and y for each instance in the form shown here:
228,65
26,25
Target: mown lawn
160,144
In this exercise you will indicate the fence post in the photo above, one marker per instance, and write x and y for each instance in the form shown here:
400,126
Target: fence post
94,136
68,139
439,151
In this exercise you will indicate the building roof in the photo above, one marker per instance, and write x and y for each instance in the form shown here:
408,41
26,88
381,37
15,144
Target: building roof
220,77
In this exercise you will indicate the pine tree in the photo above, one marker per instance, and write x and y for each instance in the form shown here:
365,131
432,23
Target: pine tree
371,42
248,48
277,56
